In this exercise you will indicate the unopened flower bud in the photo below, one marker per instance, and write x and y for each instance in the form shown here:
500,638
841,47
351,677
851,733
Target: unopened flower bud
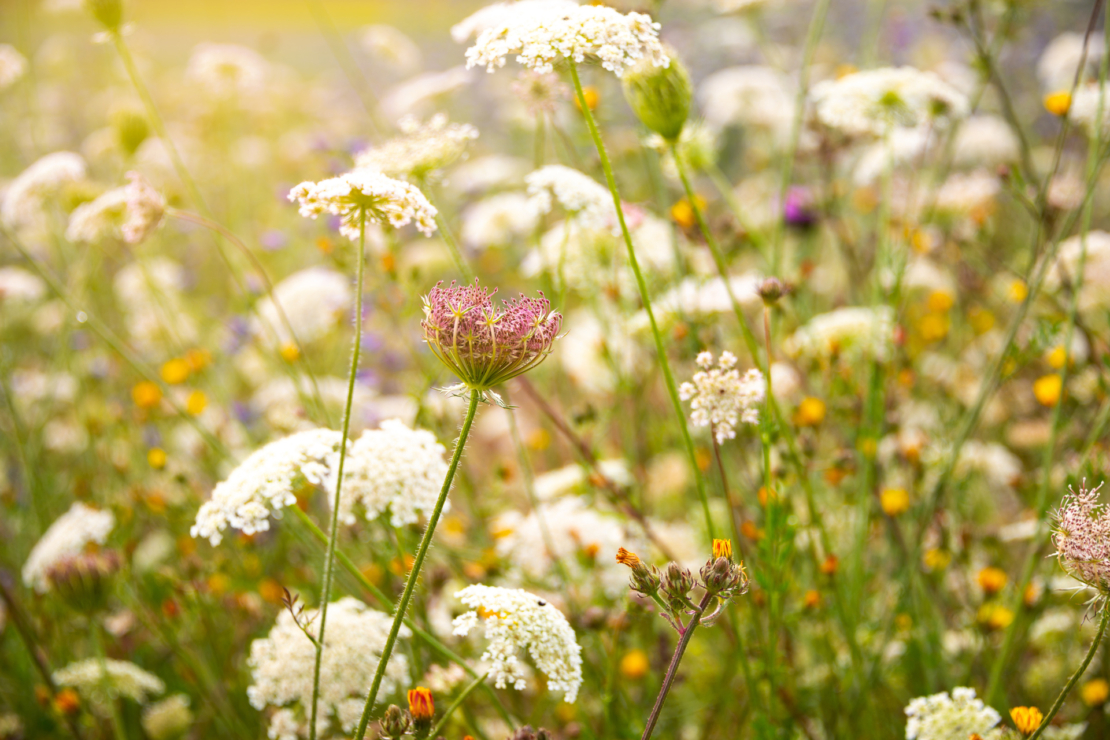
108,13
84,581
395,722
645,578
716,575
659,96
770,290
677,582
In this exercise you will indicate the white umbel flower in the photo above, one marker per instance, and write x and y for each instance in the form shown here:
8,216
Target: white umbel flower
1060,60
226,70
314,301
26,196
544,33
123,680
68,535
499,13
422,148
499,219
384,200
582,197
282,668
985,141
854,332
944,717
1093,296
873,101
98,219
1090,108
747,95
168,719
19,286
720,397
264,484
12,66
516,621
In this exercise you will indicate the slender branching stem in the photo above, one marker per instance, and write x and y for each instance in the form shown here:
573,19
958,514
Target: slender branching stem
672,669
1103,621
455,705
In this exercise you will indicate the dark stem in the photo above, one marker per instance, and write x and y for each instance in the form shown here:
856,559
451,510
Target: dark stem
672,669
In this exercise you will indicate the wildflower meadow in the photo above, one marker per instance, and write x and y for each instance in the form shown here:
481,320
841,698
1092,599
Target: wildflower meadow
554,370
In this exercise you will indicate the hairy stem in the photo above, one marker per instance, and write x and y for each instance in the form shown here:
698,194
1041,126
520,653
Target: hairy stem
1075,676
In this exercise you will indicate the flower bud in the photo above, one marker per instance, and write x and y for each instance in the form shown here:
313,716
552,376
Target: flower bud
659,96
131,129
395,722
677,582
108,13
645,578
770,290
85,581
423,710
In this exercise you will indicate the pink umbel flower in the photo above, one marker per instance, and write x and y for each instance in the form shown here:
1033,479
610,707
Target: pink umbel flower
1082,538
483,344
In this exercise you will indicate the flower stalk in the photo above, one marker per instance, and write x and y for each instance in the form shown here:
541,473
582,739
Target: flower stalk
1102,623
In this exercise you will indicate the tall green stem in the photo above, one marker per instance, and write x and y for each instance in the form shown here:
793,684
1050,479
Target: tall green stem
661,350
1075,676
105,680
333,531
418,563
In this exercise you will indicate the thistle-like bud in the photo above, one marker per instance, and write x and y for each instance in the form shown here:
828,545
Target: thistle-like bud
85,581
770,290
644,578
108,13
659,96
422,708
677,582
395,722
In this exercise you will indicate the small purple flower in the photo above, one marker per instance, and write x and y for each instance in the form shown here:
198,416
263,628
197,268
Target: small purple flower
485,345
273,240
797,210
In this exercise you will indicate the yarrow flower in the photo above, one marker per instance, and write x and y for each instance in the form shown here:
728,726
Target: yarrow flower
69,535
542,33
423,148
944,717
587,202
282,668
872,101
484,345
381,198
720,396
517,621
1082,538
103,684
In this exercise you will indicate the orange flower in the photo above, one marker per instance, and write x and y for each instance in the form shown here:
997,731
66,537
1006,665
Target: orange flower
634,664
624,557
66,701
146,395
421,706
992,579
722,549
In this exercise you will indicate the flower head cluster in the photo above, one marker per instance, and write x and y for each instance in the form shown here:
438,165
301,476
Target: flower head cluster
944,717
67,536
853,332
392,468
313,300
873,101
516,621
545,32
423,148
588,202
98,219
504,12
265,483
26,196
720,396
499,219
1093,297
282,668
145,208
1082,538
12,66
168,719
381,198
103,684
485,345
20,286
228,69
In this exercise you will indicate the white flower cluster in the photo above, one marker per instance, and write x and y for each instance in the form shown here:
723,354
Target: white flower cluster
872,101
588,202
944,717
314,301
68,535
422,149
168,719
499,13
98,219
985,141
264,484
392,468
12,66
1061,58
228,69
389,45
282,668
544,32
578,534
497,220
720,396
1090,108
853,332
515,621
27,194
383,199
19,286
123,680
748,95
1093,295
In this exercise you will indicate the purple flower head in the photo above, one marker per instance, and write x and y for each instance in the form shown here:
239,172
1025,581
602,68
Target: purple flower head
485,345
1082,538
797,210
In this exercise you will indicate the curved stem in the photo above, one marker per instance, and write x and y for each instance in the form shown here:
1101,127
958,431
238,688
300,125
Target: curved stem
418,563
455,705
672,669
333,532
668,376
1075,676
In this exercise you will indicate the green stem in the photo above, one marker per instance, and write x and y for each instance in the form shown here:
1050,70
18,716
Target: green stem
333,532
446,233
672,669
113,701
672,388
418,563
1075,676
455,705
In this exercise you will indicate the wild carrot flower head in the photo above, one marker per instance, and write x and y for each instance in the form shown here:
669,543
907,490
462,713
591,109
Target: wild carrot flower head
943,716
720,396
485,345
381,198
1082,538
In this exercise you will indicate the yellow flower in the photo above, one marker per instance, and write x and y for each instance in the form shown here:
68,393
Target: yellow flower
289,352
146,394
156,457
992,579
175,371
903,621
1017,291
1026,719
810,412
634,664
539,440
995,616
196,403
625,557
830,564
271,591
981,320
683,213
894,501
940,301
1095,693
722,549
1047,389
592,96
198,359
933,327
218,584
936,559
1058,103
